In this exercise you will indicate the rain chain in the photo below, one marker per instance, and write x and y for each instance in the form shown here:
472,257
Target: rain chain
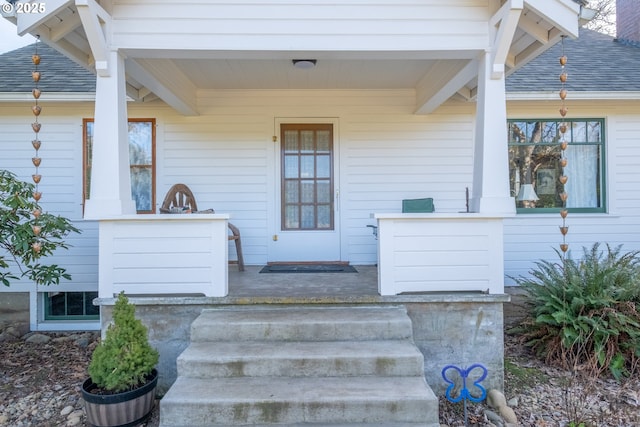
564,229
36,109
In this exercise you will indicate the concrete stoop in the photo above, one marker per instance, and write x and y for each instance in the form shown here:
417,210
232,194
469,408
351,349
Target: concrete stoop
301,366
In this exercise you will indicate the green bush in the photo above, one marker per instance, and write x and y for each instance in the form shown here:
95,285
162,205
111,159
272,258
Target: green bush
584,313
17,234
125,359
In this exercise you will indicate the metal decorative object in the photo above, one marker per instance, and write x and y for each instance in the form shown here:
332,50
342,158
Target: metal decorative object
464,393
36,126
564,247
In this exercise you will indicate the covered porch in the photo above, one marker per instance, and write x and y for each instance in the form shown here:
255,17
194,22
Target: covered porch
189,254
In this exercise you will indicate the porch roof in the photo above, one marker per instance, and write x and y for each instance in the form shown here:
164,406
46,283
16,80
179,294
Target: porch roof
81,30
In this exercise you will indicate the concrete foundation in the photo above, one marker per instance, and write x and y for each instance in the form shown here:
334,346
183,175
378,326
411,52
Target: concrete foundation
458,329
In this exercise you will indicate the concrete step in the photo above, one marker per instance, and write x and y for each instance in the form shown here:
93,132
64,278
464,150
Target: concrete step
289,401
301,359
300,365
302,324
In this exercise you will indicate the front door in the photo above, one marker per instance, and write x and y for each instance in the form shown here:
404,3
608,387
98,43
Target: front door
307,223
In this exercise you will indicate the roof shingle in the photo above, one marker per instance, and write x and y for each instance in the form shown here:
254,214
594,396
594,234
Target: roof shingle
596,62
59,73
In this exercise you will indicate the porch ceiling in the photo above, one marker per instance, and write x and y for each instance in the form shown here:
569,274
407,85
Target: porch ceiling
177,75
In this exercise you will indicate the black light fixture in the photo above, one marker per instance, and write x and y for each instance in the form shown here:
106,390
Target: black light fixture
304,64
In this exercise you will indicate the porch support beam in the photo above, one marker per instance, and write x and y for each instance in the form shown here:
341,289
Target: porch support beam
167,81
507,17
428,104
97,23
490,168
110,193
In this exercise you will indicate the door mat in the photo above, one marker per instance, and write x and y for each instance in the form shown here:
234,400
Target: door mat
308,268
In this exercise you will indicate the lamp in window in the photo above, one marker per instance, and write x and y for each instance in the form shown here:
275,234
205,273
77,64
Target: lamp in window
527,195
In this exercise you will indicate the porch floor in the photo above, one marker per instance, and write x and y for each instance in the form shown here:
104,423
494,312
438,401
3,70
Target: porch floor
252,283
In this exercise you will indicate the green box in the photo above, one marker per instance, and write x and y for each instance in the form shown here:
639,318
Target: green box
417,205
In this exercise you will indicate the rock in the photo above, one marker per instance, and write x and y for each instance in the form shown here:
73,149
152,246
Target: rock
74,421
38,339
508,415
66,410
513,402
17,329
3,420
496,399
83,341
493,417
5,337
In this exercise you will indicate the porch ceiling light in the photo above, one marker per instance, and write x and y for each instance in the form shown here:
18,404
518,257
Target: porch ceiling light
527,193
304,64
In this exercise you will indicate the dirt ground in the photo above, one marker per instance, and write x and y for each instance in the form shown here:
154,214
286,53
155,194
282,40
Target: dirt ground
40,385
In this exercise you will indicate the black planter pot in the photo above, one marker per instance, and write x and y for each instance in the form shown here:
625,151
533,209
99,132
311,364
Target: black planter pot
126,409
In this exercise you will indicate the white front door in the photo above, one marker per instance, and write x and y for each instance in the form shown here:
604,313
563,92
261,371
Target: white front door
307,223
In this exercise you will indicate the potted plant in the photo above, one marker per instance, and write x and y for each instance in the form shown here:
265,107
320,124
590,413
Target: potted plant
123,378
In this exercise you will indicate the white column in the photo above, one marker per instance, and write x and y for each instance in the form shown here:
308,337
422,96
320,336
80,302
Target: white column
490,165
110,180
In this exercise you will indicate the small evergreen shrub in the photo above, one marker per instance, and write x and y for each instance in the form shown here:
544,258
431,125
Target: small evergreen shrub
125,359
584,314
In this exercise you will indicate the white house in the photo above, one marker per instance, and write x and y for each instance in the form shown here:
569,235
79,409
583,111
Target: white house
391,102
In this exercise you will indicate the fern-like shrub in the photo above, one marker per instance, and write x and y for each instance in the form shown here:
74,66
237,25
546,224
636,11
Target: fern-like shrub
584,314
125,359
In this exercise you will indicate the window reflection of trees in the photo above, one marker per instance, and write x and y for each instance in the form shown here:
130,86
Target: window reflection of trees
534,147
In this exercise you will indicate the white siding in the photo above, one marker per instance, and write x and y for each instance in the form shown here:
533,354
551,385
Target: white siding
291,25
529,238
164,254
61,184
386,154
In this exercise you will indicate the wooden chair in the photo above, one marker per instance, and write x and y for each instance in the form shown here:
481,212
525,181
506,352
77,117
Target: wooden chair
180,199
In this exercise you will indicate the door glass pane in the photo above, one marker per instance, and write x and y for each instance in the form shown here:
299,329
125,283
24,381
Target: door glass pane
291,217
307,191
324,191
324,166
291,141
308,216
291,167
291,192
307,166
324,141
307,141
324,217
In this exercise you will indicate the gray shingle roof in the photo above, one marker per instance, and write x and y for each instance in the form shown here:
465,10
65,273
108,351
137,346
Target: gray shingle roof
596,62
59,73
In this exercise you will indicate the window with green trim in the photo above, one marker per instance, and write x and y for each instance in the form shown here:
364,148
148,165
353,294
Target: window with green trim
534,164
70,306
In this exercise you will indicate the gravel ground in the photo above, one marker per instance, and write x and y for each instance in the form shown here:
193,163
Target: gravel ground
42,375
